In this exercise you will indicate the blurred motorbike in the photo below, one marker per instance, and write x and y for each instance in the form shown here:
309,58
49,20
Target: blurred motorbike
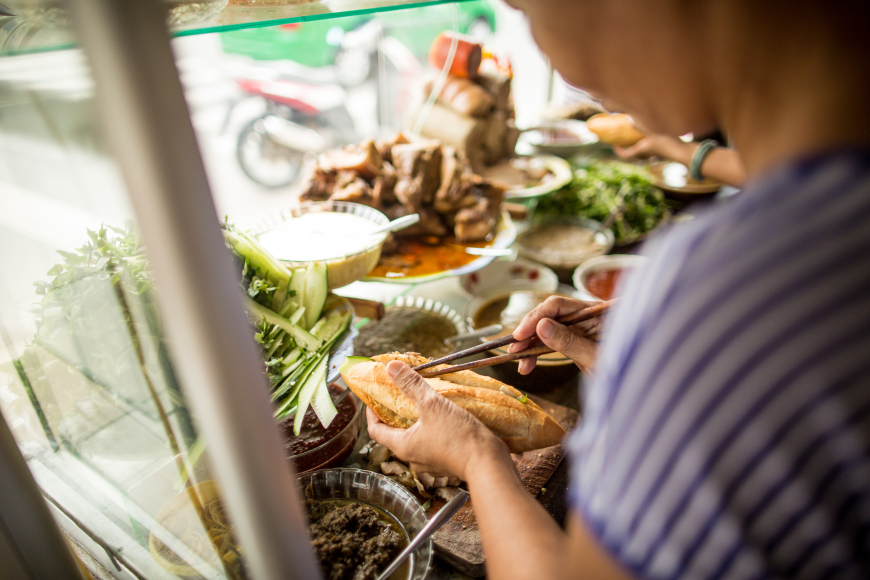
302,119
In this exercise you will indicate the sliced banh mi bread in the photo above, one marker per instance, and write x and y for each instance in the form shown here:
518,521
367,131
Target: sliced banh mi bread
523,427
466,378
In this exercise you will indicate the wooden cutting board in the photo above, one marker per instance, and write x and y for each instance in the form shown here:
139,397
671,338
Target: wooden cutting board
458,541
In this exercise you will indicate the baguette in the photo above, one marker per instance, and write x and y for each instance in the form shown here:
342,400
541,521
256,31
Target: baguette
523,426
614,129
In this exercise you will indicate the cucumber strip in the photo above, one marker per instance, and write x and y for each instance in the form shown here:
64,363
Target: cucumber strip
290,386
288,308
297,287
307,363
291,367
332,325
297,315
257,256
295,381
351,362
316,289
286,348
312,383
315,330
322,404
302,336
279,298
278,341
292,356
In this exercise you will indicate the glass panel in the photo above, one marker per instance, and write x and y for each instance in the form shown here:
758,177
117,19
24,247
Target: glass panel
86,383
40,25
256,95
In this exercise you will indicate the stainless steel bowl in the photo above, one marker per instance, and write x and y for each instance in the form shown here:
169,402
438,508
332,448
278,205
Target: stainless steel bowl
381,492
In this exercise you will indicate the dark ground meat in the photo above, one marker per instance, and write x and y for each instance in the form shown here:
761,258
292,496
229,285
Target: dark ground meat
405,329
353,541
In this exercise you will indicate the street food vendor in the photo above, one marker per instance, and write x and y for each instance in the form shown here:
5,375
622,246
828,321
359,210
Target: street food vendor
726,431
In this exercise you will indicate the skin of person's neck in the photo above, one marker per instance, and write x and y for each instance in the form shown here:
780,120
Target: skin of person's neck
812,98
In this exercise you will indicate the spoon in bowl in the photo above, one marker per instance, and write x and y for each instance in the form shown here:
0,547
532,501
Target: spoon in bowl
426,531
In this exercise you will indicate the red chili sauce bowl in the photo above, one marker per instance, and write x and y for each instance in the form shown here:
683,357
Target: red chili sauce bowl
318,448
602,283
599,278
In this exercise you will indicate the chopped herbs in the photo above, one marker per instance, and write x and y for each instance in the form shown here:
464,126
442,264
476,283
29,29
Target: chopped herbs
595,192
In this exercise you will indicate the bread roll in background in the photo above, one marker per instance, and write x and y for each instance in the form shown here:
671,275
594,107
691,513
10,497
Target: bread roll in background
523,426
614,129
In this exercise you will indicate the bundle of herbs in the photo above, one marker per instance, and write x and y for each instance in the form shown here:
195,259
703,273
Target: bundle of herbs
603,188
294,319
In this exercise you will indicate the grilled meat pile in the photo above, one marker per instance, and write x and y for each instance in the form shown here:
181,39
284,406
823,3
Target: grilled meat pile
401,178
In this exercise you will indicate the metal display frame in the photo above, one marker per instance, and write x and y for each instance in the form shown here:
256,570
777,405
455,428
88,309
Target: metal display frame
148,125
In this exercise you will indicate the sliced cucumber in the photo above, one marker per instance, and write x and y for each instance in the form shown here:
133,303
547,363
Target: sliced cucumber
322,404
333,325
312,383
316,289
297,287
277,342
315,330
297,316
351,362
261,260
304,338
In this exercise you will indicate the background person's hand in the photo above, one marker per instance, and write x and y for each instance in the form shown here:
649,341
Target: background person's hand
657,146
569,341
446,439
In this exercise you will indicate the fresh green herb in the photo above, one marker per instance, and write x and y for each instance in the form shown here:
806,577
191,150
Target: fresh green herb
427,504
522,398
595,192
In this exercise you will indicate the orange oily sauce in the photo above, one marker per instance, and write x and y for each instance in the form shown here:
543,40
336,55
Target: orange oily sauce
425,256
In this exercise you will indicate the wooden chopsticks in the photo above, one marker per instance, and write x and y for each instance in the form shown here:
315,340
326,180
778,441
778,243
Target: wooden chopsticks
593,311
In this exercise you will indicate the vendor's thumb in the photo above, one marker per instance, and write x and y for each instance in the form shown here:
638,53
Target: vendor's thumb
409,381
560,339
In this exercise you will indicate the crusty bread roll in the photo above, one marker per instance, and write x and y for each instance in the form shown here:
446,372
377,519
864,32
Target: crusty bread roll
614,129
523,426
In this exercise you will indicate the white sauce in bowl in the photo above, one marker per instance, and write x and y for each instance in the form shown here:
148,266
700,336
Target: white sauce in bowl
321,235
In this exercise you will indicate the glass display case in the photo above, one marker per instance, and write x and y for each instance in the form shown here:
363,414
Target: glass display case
130,390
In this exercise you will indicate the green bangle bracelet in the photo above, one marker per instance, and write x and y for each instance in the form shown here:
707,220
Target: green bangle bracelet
698,158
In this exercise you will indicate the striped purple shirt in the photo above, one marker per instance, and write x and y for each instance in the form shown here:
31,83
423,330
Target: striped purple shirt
727,433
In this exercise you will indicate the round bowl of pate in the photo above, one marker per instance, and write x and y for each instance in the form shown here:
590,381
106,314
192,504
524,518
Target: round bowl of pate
564,242
360,520
335,232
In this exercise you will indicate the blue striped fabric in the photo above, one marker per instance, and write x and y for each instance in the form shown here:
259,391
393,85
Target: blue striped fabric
727,433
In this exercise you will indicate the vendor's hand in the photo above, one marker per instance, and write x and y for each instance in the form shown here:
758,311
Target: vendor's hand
656,146
569,341
446,439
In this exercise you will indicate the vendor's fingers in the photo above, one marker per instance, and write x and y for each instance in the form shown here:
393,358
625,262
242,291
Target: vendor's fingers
521,345
409,382
639,149
387,436
561,339
527,365
586,327
625,152
552,307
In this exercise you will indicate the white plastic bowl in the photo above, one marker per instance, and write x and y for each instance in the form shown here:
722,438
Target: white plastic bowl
601,263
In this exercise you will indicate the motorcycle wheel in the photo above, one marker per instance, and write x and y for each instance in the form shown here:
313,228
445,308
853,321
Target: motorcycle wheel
264,161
